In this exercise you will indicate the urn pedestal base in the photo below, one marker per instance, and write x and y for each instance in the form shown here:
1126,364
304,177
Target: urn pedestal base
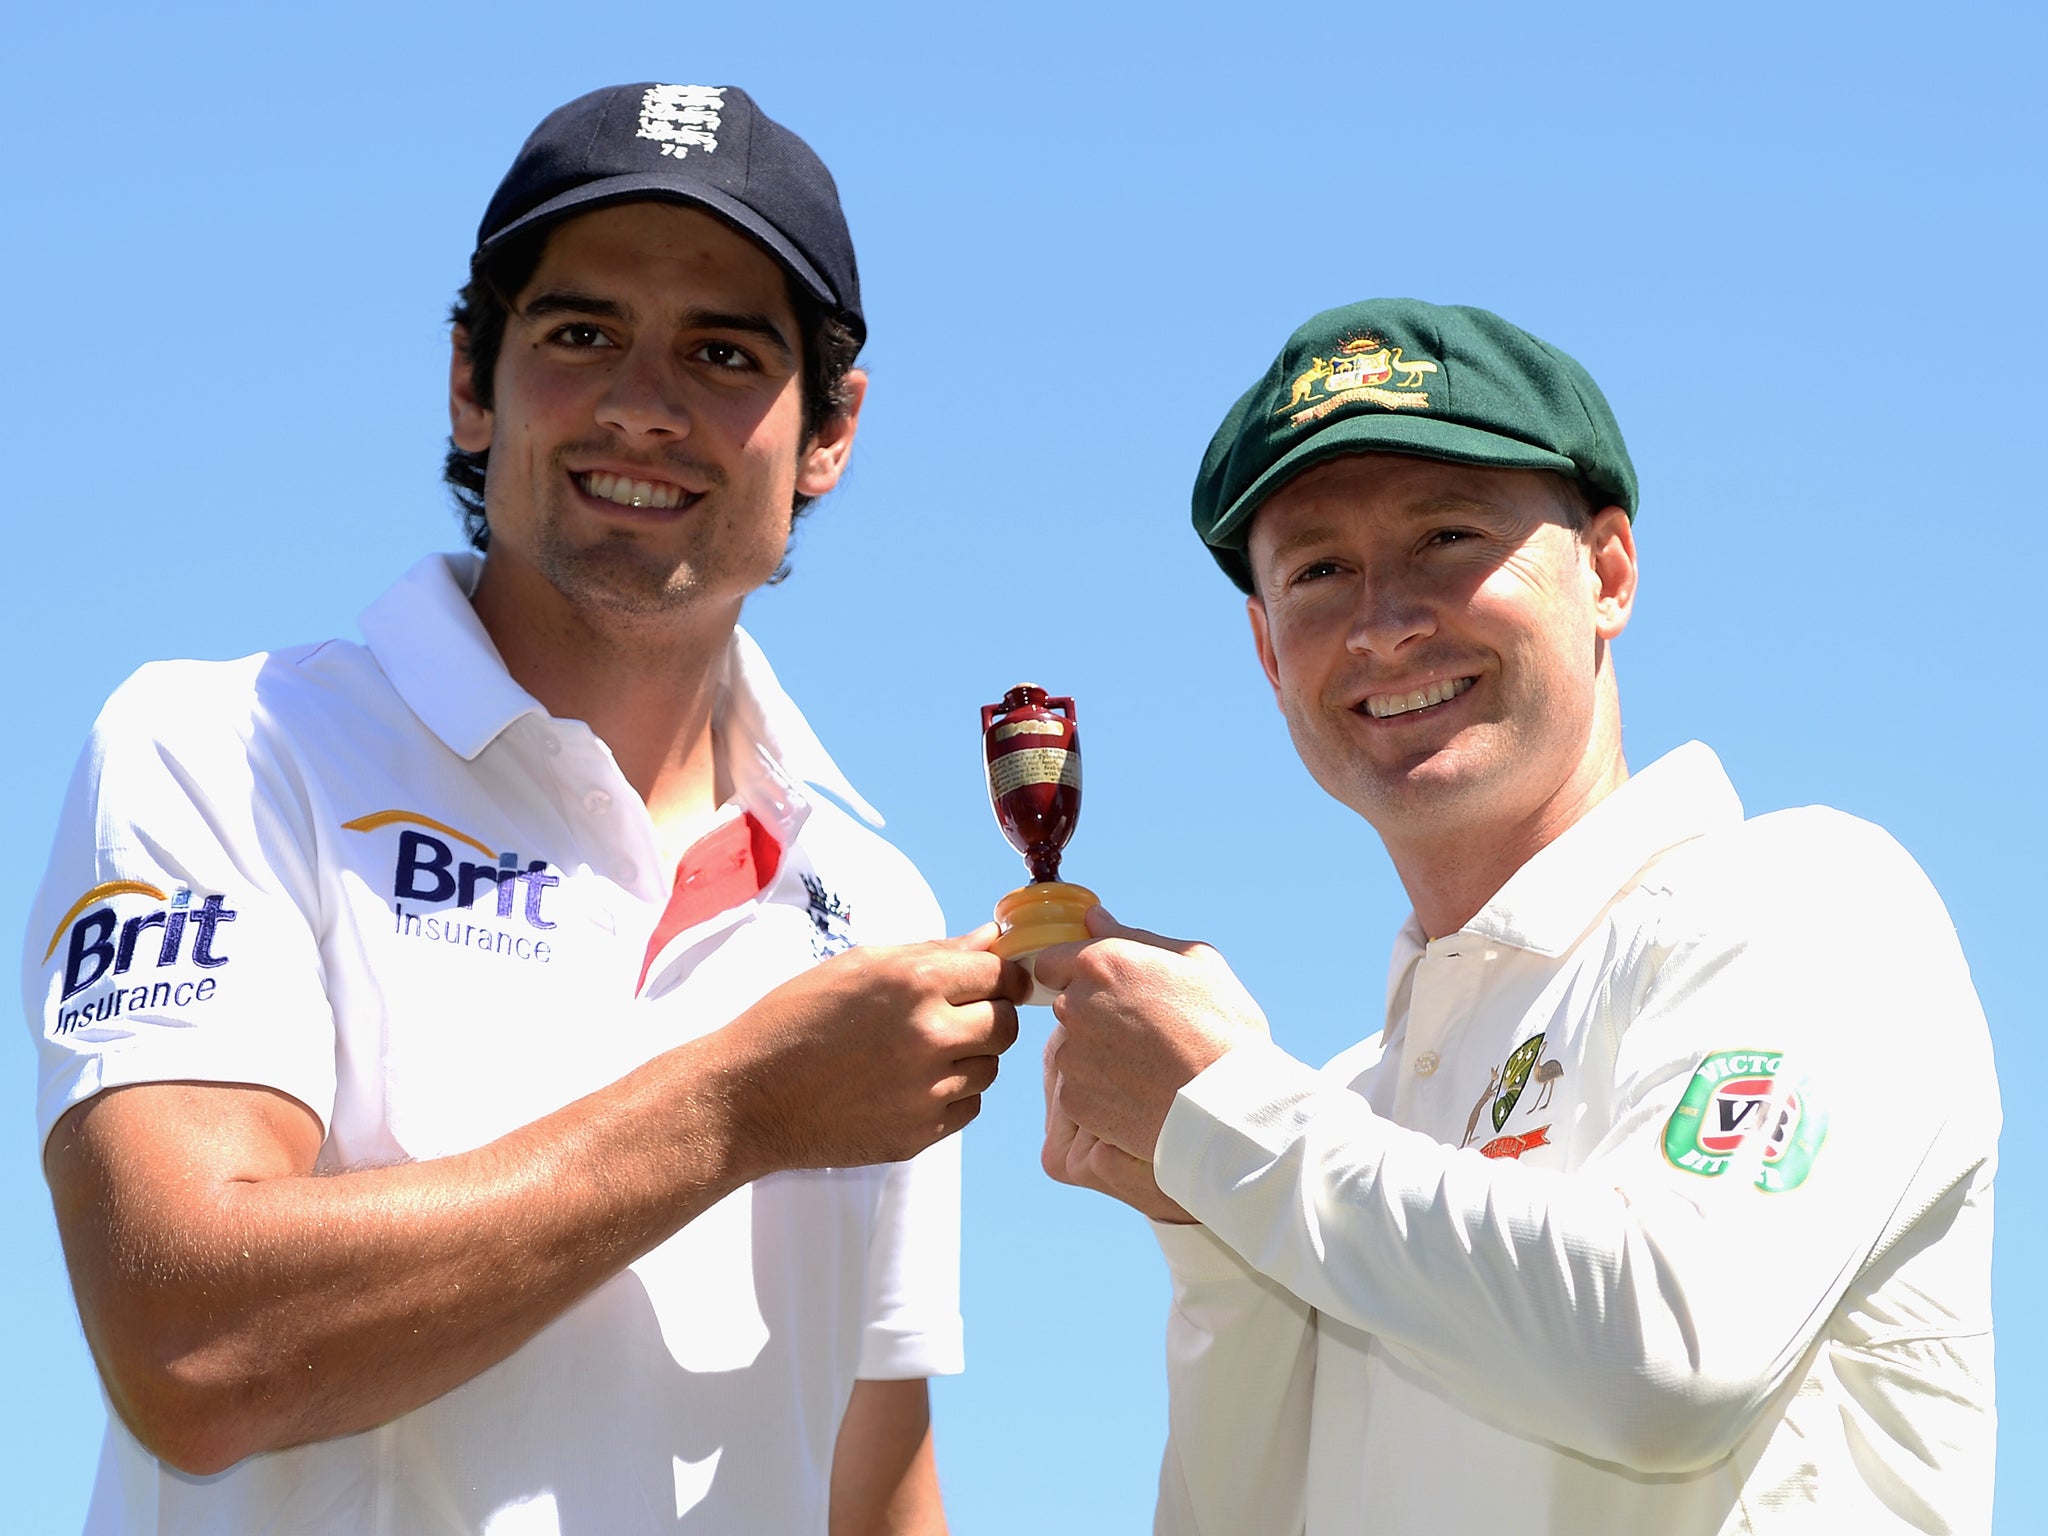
1042,913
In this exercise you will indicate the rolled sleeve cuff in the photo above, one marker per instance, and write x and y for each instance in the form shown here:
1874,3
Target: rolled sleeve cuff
897,1354
168,1054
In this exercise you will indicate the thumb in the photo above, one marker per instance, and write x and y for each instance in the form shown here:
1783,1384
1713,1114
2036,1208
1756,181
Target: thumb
1102,926
1014,982
975,938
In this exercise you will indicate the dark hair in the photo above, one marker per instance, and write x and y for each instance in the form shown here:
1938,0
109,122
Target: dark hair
829,347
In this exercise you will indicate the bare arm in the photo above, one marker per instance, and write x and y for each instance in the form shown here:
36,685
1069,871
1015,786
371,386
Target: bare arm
885,1479
237,1302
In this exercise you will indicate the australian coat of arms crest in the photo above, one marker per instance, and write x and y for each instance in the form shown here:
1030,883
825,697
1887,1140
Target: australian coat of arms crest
1365,370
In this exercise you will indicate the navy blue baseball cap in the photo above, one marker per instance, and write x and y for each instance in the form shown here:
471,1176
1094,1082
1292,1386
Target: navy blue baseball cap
706,145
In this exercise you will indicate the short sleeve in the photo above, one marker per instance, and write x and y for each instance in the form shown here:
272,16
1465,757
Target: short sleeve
913,1325
174,937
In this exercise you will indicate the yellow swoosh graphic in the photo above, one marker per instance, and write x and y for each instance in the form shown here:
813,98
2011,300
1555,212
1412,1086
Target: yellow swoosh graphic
97,893
378,819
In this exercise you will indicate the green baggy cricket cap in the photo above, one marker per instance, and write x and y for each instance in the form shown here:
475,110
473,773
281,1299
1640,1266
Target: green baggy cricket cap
1400,376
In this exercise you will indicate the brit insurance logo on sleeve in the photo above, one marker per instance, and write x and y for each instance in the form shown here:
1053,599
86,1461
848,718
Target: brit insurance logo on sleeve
162,957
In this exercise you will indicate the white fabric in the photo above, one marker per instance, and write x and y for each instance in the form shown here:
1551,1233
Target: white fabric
710,1377
1378,1328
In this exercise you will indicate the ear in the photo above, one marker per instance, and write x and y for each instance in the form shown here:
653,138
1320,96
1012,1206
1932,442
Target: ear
469,421
1262,638
1611,568
823,460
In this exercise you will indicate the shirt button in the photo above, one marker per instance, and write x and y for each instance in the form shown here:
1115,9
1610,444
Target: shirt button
1427,1063
551,744
628,872
597,802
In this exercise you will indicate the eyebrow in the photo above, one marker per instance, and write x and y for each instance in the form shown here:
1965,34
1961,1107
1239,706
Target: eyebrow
567,301
1299,540
1437,505
1434,506
1416,512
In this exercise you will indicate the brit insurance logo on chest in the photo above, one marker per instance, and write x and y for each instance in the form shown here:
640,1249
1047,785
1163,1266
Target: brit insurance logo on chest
440,893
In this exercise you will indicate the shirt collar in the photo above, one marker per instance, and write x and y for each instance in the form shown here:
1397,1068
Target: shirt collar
1553,899
437,654
765,734
426,637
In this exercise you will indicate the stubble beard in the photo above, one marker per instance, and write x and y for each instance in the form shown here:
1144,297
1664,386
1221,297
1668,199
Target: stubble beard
615,576
625,576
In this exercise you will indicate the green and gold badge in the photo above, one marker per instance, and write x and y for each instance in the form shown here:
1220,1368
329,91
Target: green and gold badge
1359,373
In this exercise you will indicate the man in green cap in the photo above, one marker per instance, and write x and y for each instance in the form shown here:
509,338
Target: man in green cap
1660,1200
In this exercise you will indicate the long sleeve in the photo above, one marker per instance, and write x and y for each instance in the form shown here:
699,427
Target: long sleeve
1633,1308
1240,1374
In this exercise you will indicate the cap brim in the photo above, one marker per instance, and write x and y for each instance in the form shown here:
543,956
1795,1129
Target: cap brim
656,188
1423,437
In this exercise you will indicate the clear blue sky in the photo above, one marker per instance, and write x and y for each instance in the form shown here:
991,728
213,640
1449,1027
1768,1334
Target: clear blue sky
1799,245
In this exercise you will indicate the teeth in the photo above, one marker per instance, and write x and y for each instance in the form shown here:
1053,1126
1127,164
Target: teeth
1382,705
631,493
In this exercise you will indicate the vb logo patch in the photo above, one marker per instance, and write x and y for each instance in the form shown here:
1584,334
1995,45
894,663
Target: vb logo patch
1365,371
1735,1097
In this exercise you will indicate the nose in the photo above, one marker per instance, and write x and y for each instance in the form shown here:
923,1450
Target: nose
1388,615
644,398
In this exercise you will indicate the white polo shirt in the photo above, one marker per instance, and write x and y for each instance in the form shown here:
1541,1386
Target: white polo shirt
383,880
1661,1203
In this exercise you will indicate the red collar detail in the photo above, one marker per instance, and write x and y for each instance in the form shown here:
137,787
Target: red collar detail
732,863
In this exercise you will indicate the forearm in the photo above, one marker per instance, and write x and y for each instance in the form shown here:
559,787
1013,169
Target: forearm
237,1302
1646,1333
282,1306
885,1476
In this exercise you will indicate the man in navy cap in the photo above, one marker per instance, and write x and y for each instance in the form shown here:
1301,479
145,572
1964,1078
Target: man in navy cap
1658,1195
487,1086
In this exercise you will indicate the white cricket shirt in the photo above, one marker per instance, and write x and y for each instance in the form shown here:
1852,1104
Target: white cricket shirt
382,879
1662,1203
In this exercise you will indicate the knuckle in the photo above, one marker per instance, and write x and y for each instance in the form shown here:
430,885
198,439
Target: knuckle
1095,961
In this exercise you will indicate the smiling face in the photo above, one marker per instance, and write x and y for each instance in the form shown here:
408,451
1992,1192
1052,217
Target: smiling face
1437,638
645,432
